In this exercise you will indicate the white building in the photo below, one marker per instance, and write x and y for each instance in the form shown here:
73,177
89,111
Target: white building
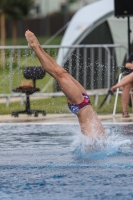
48,6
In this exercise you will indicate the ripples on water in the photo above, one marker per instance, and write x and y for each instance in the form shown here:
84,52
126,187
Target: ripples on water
53,162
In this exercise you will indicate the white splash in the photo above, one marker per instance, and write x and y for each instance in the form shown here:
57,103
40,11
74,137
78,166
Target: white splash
84,147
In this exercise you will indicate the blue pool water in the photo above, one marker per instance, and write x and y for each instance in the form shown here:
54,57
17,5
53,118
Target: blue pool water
53,162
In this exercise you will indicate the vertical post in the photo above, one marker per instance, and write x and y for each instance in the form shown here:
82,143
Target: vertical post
129,31
66,12
3,35
48,18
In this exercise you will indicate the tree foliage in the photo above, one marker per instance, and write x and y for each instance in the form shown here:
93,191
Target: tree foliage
72,1
16,9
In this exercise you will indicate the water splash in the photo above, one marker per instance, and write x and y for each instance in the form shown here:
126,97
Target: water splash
84,147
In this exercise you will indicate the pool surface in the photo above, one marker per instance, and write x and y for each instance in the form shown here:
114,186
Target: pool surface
53,162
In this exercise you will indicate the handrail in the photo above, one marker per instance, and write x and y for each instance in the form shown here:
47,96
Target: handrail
65,46
83,67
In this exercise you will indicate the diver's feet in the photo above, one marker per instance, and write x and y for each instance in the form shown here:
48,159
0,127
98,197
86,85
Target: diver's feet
125,114
31,39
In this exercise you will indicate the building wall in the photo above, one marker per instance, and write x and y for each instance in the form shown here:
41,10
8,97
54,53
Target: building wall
45,7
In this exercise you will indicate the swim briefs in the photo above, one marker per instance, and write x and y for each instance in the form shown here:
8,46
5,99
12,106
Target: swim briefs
76,107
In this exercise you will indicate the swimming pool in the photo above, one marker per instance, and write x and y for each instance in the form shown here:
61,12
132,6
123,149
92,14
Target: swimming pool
51,161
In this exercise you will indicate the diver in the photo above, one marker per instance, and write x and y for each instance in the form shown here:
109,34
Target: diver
77,98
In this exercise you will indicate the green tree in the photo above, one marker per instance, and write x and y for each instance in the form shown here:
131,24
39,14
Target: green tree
16,10
72,1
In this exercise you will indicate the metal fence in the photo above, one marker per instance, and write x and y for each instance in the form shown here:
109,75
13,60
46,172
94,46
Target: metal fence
94,66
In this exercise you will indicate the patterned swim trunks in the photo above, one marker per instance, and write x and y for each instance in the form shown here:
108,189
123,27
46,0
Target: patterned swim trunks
76,107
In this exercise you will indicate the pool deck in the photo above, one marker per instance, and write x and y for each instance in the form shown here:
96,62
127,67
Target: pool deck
58,118
61,118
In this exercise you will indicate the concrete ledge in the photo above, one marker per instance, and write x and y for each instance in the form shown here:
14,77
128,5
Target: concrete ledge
61,118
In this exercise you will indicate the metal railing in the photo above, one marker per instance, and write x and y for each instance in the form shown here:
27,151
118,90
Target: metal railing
94,66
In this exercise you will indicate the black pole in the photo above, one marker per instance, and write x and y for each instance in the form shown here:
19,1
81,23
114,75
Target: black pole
129,31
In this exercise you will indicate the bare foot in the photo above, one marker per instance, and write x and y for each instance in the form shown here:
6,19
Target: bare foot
31,39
